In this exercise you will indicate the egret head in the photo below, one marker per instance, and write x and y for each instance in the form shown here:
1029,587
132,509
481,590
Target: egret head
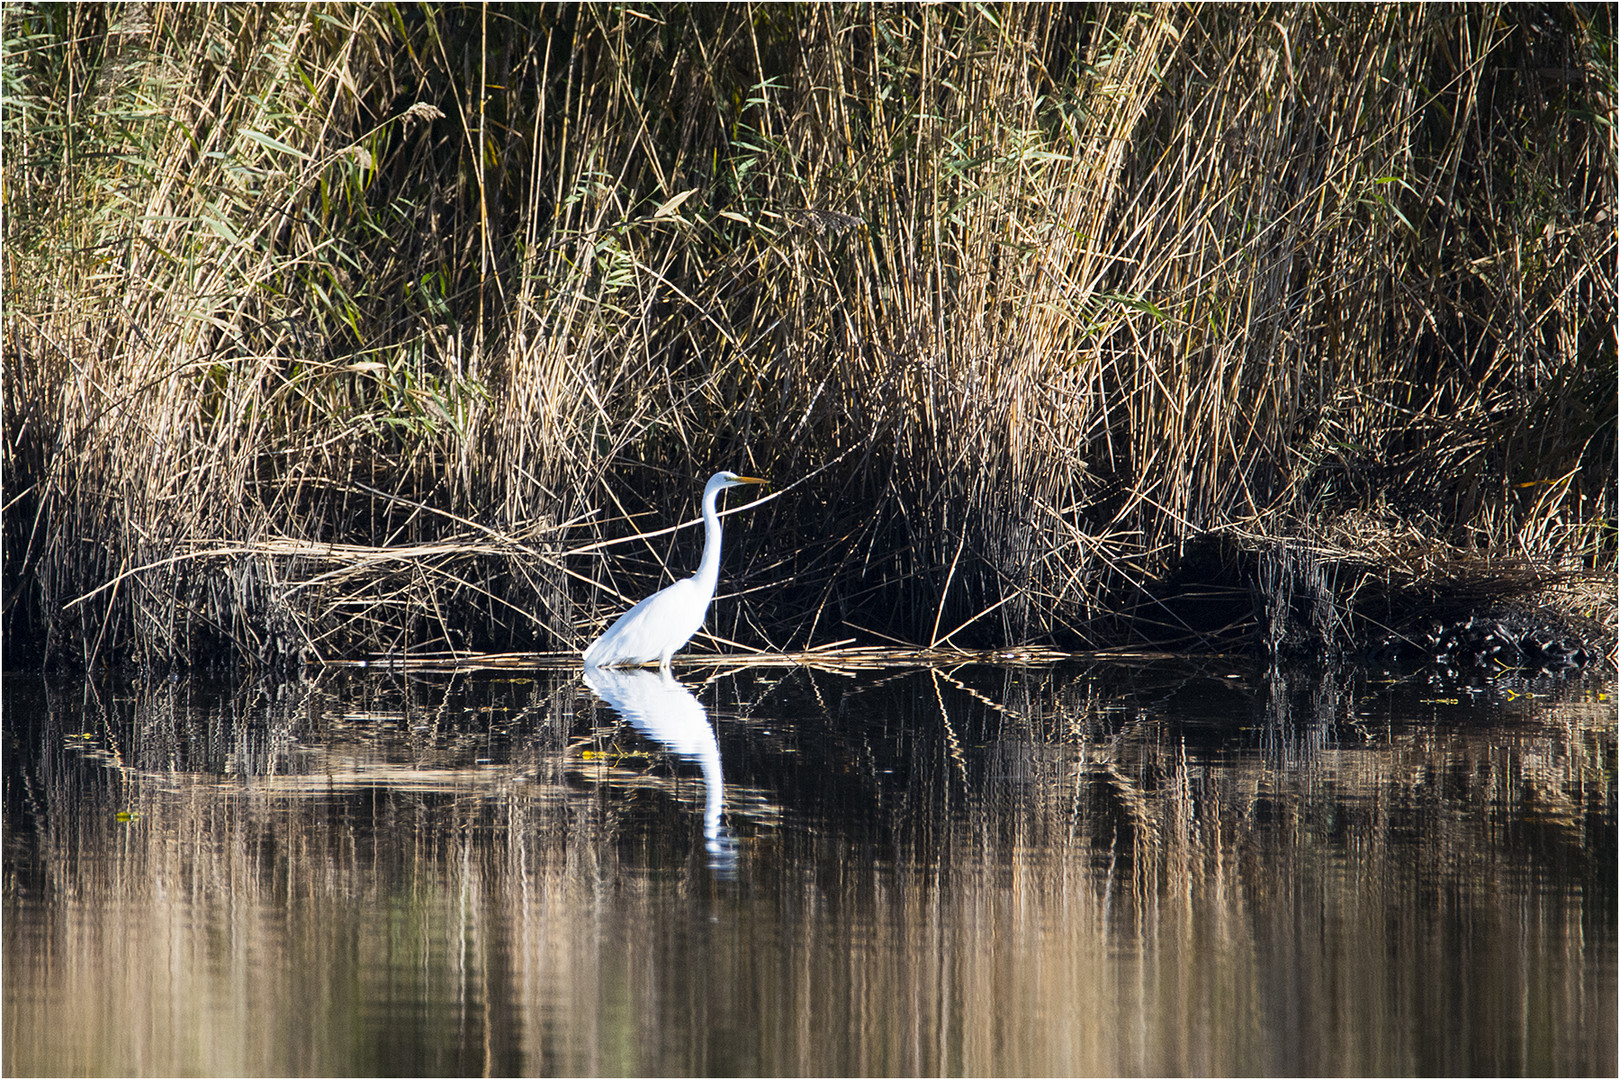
731,479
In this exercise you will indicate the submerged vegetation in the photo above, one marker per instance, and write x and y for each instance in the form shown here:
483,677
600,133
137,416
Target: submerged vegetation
333,330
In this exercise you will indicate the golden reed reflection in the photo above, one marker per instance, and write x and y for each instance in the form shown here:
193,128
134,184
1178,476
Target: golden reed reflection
1021,873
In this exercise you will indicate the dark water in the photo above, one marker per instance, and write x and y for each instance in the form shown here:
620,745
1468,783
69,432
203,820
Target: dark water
1145,867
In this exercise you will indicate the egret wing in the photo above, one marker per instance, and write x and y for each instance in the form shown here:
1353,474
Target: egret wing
654,628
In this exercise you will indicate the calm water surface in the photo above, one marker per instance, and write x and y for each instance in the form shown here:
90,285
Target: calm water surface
1130,867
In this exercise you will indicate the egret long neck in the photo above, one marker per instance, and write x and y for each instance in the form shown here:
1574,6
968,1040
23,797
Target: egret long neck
708,572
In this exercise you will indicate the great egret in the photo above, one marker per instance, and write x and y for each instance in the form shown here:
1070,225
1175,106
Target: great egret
666,620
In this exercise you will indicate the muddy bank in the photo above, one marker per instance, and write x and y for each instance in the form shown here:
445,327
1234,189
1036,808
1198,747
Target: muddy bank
1425,606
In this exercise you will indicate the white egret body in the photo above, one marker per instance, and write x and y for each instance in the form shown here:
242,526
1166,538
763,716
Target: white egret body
655,628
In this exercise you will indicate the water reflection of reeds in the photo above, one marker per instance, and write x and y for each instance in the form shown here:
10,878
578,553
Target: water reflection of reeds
978,871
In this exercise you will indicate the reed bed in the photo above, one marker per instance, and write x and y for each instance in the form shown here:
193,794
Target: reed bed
340,330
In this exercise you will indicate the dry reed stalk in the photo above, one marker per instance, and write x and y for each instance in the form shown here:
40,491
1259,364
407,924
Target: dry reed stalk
1039,296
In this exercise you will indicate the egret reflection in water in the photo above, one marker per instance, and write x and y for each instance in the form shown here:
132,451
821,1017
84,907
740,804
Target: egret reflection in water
667,713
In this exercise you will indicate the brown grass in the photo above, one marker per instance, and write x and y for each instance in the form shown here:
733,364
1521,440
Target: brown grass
341,330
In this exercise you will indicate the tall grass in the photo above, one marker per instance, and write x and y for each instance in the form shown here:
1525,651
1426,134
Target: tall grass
341,329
